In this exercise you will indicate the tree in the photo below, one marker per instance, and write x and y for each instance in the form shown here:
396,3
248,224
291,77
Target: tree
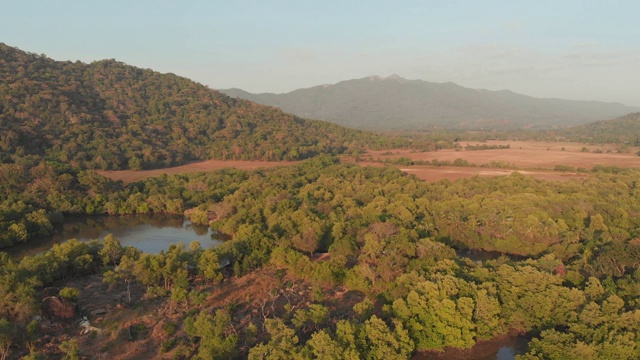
71,349
209,266
324,347
381,342
282,343
216,341
8,332
111,251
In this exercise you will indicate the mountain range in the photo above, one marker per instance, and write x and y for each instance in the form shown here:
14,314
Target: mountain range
393,102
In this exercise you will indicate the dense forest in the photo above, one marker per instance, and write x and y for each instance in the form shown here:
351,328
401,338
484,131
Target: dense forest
109,115
572,282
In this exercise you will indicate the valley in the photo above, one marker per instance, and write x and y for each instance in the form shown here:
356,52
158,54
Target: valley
334,251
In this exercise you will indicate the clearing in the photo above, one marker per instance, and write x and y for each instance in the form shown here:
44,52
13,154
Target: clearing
532,158
129,176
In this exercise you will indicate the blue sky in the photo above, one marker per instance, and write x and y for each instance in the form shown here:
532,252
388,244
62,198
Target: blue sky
585,50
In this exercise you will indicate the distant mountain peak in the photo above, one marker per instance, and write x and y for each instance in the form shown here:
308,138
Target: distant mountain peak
393,102
395,77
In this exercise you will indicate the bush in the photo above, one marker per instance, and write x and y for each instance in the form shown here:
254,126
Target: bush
564,168
70,293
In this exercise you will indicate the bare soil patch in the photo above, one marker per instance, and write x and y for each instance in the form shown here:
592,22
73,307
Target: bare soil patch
532,158
526,155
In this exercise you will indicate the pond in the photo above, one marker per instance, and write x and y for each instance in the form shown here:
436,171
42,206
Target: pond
149,233
504,347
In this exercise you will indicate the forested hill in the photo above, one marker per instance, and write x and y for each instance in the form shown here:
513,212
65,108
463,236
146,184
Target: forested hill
109,115
397,103
622,130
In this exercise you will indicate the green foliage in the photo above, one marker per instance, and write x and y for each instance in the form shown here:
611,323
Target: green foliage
216,340
311,318
209,266
70,293
564,168
436,316
324,347
536,299
381,342
71,349
8,332
111,251
282,343
19,281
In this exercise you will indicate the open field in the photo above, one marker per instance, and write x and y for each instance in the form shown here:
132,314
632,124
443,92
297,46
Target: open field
531,158
208,165
537,159
529,155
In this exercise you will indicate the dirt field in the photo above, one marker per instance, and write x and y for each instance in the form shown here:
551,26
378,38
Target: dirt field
527,155
536,159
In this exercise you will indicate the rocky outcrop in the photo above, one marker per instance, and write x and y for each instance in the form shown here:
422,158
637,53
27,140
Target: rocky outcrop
59,309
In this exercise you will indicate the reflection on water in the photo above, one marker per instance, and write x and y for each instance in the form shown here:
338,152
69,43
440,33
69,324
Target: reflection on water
506,353
149,233
504,347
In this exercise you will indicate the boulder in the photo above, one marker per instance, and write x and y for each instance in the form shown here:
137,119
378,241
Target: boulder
59,309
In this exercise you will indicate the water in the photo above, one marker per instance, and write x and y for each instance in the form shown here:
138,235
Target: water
504,347
149,233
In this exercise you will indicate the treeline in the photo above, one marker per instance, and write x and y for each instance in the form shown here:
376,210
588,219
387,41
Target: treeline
108,115
624,130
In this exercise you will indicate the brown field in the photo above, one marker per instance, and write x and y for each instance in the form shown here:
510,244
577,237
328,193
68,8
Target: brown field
208,165
532,158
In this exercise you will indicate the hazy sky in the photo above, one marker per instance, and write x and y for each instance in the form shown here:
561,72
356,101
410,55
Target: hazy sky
573,49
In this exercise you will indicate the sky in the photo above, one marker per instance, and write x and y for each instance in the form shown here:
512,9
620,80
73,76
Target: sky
570,49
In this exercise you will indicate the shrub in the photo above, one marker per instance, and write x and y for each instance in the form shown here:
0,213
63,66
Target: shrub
70,293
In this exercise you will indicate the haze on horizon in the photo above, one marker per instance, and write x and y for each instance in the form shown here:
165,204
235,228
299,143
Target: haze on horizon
580,50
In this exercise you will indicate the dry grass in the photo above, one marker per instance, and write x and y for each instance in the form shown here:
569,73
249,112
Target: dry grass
537,159
532,158
209,165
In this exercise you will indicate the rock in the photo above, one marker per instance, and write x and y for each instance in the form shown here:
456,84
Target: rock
86,327
59,309
99,312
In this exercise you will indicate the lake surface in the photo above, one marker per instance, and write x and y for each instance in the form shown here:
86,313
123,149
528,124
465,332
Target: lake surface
504,347
149,233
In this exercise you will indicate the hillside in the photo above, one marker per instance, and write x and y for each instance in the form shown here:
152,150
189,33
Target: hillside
109,115
622,130
397,103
